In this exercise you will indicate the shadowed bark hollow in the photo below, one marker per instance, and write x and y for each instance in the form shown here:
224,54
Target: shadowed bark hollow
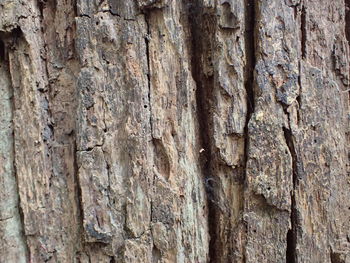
174,131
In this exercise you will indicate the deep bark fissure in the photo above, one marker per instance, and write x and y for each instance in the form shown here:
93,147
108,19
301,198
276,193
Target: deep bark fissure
288,135
249,68
2,51
78,194
291,255
347,20
77,184
250,52
147,40
21,216
298,99
303,32
20,209
204,90
41,6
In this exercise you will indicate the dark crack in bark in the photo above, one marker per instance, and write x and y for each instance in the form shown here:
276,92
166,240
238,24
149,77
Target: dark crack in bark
347,20
200,21
291,255
249,67
303,32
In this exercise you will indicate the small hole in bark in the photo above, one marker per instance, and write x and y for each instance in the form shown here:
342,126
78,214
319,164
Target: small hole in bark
145,106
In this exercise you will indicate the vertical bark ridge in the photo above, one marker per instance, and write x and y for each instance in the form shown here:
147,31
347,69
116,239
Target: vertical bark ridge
175,149
318,196
22,61
51,100
13,239
17,34
61,69
269,174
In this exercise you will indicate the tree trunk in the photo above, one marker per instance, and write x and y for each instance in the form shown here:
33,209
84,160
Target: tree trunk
174,131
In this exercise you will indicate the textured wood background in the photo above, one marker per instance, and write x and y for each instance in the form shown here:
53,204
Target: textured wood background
174,131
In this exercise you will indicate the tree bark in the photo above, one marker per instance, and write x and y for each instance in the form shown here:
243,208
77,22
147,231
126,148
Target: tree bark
174,131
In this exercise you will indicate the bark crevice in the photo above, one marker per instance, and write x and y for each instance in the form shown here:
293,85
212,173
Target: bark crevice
249,36
147,39
347,20
303,32
291,254
78,194
199,19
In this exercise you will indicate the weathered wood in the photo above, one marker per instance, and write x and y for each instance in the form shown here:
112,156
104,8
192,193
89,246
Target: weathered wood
174,131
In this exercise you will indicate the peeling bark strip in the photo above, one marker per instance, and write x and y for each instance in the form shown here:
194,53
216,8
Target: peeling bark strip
174,131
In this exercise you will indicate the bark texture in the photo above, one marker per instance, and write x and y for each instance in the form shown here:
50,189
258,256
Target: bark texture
174,131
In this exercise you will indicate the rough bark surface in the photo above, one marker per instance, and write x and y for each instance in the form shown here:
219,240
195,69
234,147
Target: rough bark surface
174,131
